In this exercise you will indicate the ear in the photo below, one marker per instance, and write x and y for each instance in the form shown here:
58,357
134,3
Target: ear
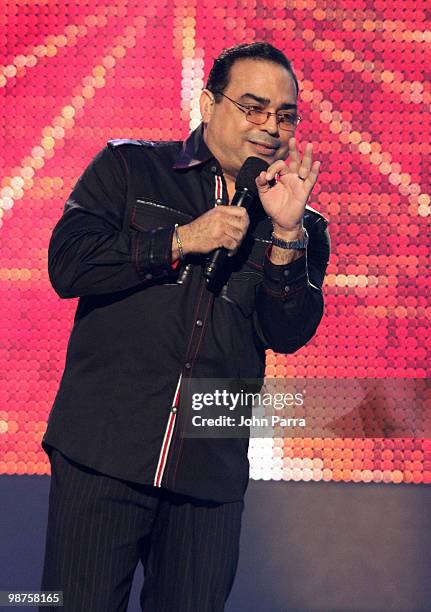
206,104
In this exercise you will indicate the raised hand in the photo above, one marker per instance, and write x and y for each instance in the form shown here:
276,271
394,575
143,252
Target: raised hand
285,187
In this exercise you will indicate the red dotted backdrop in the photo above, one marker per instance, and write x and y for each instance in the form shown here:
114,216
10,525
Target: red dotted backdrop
76,74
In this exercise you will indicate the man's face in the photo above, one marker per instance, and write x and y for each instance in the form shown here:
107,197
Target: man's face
228,134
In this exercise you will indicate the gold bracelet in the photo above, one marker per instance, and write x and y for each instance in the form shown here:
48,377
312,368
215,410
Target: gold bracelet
180,246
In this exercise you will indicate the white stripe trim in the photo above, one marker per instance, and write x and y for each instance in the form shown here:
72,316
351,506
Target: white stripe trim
218,189
167,439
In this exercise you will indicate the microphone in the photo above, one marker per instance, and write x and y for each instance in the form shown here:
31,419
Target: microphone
246,195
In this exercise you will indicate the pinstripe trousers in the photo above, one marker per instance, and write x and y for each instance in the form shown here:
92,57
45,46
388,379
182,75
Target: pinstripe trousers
100,528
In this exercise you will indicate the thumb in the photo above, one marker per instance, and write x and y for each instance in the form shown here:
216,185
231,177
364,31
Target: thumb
261,182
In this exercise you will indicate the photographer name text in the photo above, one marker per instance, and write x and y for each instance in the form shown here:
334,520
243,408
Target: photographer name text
254,421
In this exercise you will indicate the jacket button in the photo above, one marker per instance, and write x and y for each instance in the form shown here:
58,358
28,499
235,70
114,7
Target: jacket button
188,365
174,409
148,276
286,272
199,323
214,169
287,288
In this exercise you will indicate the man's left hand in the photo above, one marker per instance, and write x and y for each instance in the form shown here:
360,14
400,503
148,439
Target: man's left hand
284,200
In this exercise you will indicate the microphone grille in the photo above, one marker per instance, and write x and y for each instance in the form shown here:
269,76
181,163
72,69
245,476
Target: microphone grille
248,173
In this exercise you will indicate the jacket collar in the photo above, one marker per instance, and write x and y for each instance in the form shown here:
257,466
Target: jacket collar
194,151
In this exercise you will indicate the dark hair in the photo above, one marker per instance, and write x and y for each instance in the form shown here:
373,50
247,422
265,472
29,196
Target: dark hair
218,78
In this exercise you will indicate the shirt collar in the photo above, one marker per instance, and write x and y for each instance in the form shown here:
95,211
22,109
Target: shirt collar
194,151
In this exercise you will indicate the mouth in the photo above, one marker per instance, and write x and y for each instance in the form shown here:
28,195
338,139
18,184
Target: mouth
264,148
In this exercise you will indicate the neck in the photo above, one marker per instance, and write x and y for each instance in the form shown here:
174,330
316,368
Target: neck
230,189
229,175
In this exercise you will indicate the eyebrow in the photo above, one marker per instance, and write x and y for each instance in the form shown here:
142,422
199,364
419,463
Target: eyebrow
266,101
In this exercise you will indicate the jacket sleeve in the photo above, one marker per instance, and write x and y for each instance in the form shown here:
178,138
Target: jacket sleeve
88,252
289,301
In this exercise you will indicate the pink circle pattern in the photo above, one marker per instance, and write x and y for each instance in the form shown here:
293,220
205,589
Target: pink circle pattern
76,74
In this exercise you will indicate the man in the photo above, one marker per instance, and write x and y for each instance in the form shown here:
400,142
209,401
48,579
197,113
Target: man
132,245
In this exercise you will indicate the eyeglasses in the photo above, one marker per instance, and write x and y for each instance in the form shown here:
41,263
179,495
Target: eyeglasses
286,120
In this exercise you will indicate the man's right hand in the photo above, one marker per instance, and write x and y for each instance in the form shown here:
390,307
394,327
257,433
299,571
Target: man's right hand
221,226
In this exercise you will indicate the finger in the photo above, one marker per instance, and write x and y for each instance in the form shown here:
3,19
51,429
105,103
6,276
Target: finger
267,179
232,212
294,161
232,252
261,183
233,233
307,160
278,167
312,176
230,244
261,179
236,222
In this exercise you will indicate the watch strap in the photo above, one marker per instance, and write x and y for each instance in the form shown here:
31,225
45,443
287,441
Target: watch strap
299,244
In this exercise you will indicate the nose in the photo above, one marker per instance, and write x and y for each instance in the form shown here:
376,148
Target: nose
271,125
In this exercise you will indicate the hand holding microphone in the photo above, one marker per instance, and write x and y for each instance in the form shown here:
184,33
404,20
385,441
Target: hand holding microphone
245,198
222,229
222,226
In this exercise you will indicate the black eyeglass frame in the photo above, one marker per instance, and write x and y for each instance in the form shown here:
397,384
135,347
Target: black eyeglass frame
246,110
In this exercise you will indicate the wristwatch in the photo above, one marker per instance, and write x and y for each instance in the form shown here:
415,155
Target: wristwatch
293,244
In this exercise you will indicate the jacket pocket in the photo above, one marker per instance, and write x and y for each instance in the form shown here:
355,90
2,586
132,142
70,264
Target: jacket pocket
241,291
152,215
241,287
149,214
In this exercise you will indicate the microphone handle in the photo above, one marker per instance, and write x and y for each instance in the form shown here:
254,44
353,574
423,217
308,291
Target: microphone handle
242,197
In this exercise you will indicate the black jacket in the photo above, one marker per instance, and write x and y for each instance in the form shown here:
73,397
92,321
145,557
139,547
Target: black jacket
141,325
